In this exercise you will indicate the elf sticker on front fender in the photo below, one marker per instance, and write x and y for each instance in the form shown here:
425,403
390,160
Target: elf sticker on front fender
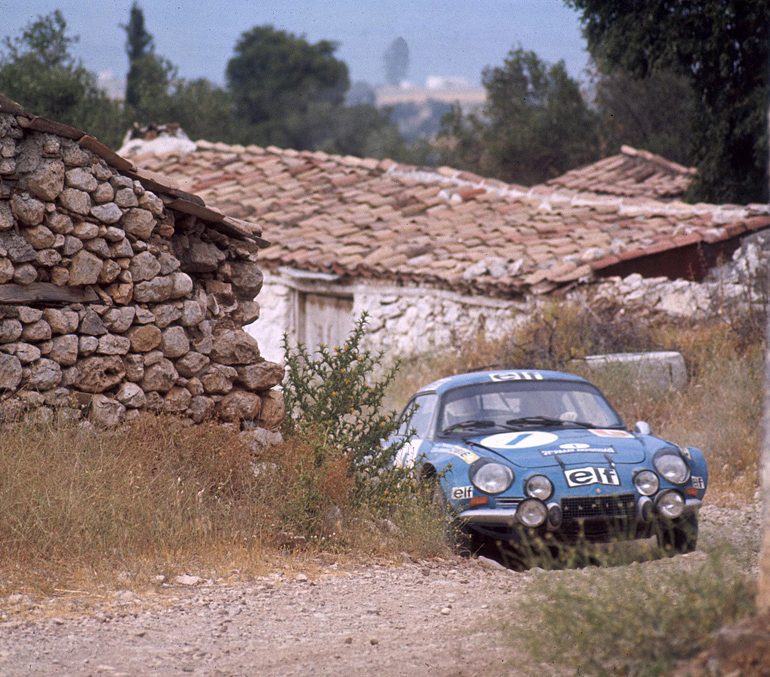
581,477
460,493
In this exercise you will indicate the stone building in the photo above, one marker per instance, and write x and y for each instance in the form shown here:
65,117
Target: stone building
437,256
118,291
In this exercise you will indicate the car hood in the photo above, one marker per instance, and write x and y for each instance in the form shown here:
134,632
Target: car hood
547,448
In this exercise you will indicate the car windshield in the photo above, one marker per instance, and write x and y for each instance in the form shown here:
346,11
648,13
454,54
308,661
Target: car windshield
513,405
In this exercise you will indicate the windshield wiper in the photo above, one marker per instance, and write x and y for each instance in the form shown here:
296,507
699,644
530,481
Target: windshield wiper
467,425
546,420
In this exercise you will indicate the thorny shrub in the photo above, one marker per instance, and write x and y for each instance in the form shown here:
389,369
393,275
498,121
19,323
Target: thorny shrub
334,401
340,445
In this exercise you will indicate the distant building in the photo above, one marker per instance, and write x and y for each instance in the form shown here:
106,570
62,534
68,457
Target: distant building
468,98
447,82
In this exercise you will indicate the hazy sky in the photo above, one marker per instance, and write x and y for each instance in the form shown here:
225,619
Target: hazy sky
445,37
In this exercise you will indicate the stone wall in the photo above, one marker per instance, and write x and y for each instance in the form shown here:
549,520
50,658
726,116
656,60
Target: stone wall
113,301
737,286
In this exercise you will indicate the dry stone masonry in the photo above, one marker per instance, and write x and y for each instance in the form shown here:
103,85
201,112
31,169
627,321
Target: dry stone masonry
119,293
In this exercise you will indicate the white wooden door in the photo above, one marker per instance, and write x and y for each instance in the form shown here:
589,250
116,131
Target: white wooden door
323,319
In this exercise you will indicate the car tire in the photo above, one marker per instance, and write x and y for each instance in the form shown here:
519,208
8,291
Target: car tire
679,536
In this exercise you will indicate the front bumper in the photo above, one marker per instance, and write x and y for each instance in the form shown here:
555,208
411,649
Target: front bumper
506,517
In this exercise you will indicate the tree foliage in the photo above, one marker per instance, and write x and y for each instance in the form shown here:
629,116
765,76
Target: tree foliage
653,113
283,85
396,60
721,47
282,90
38,71
289,92
139,46
534,126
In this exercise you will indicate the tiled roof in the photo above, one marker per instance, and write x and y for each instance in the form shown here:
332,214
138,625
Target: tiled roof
173,197
630,173
378,219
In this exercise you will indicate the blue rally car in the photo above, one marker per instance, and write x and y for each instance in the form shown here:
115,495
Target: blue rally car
525,456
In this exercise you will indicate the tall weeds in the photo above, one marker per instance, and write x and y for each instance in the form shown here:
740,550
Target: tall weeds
153,493
159,495
637,620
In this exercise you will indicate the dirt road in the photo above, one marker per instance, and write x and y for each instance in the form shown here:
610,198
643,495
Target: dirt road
437,618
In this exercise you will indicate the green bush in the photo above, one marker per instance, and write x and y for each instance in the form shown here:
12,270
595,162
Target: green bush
340,485
334,399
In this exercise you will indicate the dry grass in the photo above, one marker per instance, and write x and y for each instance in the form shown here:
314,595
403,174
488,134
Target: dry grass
719,411
151,497
156,496
637,620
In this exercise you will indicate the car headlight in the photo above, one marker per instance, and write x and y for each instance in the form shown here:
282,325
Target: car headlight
531,513
672,466
539,486
646,482
670,504
491,477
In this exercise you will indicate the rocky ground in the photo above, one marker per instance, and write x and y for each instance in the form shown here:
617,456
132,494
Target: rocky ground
441,618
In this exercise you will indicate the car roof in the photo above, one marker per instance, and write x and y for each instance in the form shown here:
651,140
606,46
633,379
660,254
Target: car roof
497,375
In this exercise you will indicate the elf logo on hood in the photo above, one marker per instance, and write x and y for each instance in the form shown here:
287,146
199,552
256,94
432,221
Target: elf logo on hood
581,477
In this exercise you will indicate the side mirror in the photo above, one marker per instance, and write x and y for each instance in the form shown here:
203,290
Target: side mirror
642,427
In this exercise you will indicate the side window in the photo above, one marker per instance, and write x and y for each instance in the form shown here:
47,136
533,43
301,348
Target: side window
418,415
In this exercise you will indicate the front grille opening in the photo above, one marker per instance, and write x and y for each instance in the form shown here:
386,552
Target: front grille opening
621,506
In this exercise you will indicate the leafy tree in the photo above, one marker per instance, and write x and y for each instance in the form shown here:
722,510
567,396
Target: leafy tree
653,113
290,93
365,131
285,86
396,60
534,126
721,47
204,110
139,45
38,71
150,77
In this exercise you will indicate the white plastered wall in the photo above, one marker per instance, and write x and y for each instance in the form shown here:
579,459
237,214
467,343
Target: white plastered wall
402,320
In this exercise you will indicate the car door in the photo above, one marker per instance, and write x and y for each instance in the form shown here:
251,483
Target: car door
415,427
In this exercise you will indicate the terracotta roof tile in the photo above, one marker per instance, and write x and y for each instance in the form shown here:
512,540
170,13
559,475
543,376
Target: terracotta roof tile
631,173
362,217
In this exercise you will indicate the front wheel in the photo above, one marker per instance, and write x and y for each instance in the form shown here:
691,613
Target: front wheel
678,536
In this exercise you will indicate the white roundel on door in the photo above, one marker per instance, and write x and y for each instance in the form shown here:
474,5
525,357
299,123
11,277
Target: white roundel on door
519,440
